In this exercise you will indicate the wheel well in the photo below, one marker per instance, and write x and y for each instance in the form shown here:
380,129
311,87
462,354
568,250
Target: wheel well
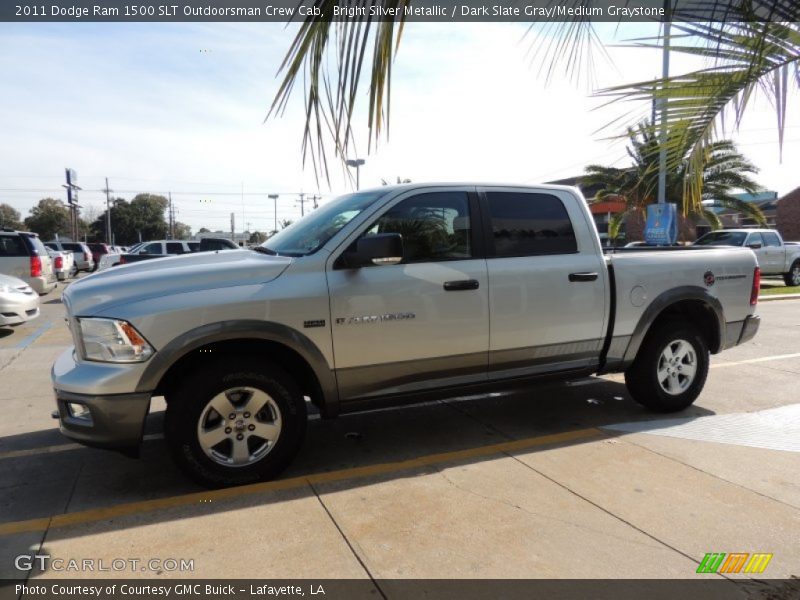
698,313
273,352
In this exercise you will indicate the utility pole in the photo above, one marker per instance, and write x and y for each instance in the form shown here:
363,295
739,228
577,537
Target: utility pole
662,134
233,228
108,213
314,199
171,218
302,204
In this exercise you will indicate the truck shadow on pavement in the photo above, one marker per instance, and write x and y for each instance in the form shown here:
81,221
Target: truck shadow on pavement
42,474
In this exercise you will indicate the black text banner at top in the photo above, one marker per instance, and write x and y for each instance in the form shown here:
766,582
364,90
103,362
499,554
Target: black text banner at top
407,10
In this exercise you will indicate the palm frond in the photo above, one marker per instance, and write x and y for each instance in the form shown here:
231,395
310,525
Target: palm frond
746,57
330,57
711,217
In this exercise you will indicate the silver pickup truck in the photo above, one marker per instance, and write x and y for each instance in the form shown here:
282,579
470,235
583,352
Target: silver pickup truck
384,296
774,256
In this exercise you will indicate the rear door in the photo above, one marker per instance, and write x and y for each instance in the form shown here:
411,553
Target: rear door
761,253
548,285
420,324
14,256
776,253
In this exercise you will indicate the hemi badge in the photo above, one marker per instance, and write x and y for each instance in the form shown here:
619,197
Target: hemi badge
317,323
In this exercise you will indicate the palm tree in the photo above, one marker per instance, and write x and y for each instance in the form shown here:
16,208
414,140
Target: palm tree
752,44
723,170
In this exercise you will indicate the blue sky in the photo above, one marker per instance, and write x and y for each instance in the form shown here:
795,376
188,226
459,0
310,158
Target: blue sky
181,107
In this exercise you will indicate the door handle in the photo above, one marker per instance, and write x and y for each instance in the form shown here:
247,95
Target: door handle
458,286
582,276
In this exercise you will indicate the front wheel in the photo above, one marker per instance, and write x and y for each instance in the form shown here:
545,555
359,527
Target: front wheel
670,369
236,422
792,278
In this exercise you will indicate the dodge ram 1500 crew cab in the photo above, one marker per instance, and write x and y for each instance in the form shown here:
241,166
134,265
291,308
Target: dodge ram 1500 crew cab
382,296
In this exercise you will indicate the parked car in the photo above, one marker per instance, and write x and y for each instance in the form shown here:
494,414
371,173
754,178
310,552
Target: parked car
385,296
166,248
83,255
775,257
19,303
23,255
63,263
98,251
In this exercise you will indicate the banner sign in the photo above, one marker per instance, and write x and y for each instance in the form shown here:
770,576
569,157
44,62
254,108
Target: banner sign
661,228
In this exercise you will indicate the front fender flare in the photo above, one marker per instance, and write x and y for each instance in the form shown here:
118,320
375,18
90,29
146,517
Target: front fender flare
223,331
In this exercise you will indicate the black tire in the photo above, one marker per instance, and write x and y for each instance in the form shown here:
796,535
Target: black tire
792,278
189,402
642,377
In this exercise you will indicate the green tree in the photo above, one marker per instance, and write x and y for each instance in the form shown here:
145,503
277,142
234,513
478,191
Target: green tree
182,231
257,237
143,215
203,230
10,217
723,170
48,218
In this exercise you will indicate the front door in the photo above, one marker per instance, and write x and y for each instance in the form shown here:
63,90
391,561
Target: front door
420,324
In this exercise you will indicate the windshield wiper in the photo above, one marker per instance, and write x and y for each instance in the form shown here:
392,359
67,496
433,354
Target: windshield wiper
265,250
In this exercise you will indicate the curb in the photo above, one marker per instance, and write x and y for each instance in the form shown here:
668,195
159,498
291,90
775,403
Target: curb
774,297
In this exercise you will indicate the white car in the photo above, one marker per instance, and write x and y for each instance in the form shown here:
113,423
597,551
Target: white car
63,263
18,302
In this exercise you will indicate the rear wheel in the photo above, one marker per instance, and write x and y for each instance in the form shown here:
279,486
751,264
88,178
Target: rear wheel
235,422
792,278
670,369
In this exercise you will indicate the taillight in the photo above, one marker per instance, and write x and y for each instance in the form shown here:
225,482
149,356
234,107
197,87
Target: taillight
59,262
756,286
86,256
122,260
36,266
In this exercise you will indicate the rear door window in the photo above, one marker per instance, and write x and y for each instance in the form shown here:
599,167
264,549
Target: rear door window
174,248
771,239
12,245
529,224
755,238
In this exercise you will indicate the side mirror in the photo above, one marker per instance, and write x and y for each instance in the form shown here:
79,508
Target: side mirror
754,246
379,249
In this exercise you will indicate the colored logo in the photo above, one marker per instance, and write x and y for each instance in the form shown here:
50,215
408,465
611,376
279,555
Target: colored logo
709,278
735,562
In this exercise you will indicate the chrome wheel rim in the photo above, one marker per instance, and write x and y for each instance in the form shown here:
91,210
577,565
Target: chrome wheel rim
796,275
239,426
677,367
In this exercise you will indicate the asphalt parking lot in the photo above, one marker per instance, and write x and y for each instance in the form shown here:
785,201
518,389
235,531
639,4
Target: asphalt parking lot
566,481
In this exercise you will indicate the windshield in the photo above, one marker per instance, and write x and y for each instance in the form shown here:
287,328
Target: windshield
310,233
722,238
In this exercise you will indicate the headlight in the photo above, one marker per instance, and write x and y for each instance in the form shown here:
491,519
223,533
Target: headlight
112,340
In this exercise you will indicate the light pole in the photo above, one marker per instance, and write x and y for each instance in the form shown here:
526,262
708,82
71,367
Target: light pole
275,204
356,162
